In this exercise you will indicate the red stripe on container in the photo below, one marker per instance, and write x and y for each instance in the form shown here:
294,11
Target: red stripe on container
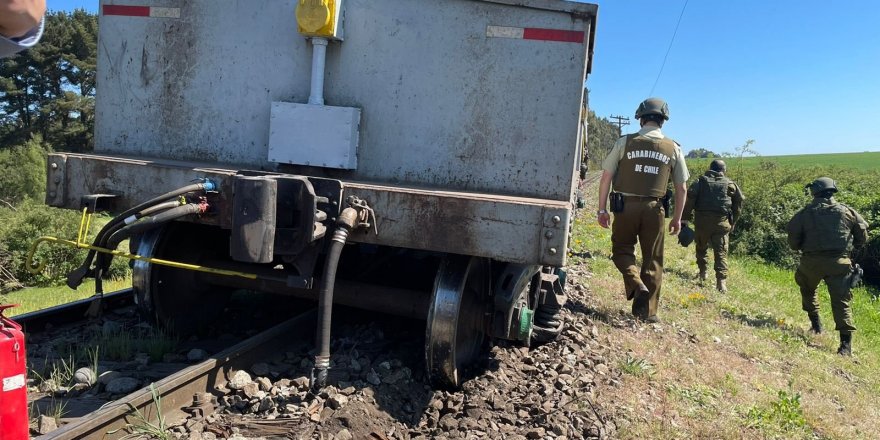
553,35
129,11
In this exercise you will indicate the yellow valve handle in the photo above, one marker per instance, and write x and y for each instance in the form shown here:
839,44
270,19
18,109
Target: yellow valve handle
312,15
36,268
84,223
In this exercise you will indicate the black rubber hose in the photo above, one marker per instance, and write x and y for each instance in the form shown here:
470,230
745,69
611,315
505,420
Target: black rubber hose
75,277
103,260
346,223
148,223
104,234
139,215
159,208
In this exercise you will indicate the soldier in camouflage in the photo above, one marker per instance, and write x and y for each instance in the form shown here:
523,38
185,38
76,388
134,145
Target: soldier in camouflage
715,202
825,231
640,166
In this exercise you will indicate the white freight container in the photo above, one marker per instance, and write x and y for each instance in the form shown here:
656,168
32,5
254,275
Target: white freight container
455,121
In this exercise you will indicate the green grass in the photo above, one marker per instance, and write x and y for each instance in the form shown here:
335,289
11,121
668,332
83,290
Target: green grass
861,161
736,365
636,366
140,425
121,345
782,416
37,298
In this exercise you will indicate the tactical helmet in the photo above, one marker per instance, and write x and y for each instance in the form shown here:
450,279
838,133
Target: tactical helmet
821,185
685,235
653,106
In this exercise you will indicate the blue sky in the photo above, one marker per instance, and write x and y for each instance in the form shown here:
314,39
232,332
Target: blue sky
795,76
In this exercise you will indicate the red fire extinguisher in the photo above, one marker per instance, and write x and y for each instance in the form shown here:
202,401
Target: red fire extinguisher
13,373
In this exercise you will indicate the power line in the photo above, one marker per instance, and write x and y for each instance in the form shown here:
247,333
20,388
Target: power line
669,48
621,121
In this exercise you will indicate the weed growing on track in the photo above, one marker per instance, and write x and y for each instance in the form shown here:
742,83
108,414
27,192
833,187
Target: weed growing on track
56,409
782,415
93,362
142,425
58,373
636,366
121,344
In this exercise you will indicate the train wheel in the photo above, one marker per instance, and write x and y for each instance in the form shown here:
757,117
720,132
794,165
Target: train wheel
516,297
175,297
456,329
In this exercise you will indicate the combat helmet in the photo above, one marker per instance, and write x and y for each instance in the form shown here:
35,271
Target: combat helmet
821,185
653,106
685,235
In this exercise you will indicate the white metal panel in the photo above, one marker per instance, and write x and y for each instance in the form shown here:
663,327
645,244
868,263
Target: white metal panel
443,105
316,135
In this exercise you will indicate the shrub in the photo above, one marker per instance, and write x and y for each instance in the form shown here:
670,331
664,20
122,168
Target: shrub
22,225
774,193
24,175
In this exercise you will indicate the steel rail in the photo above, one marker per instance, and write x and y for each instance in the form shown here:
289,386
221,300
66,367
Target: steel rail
177,390
70,312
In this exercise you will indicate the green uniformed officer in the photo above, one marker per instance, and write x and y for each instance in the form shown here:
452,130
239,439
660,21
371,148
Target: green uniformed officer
639,167
715,202
825,231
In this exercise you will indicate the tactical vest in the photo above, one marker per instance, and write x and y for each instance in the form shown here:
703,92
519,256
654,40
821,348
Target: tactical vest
826,228
712,195
645,167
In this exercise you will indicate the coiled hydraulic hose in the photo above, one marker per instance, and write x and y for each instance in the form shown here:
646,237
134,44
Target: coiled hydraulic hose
75,277
347,221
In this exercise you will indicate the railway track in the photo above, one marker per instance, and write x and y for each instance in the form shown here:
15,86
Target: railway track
189,388
71,312
57,338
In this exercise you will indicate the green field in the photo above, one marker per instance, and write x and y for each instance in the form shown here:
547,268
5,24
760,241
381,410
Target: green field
860,161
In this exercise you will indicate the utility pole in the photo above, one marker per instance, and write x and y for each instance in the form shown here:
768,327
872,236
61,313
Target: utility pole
621,121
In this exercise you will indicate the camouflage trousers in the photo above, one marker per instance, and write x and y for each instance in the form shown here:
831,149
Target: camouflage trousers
711,230
641,222
835,271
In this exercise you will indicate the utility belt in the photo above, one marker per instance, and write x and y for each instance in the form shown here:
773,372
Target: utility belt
649,198
715,213
618,201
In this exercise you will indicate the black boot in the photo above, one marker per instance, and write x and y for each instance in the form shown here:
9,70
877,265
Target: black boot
816,324
640,304
845,344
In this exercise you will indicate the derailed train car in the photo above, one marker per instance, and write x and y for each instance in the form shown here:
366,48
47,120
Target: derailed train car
413,157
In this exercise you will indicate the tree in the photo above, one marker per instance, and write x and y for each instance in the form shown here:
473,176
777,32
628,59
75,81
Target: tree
50,89
25,172
700,153
601,137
